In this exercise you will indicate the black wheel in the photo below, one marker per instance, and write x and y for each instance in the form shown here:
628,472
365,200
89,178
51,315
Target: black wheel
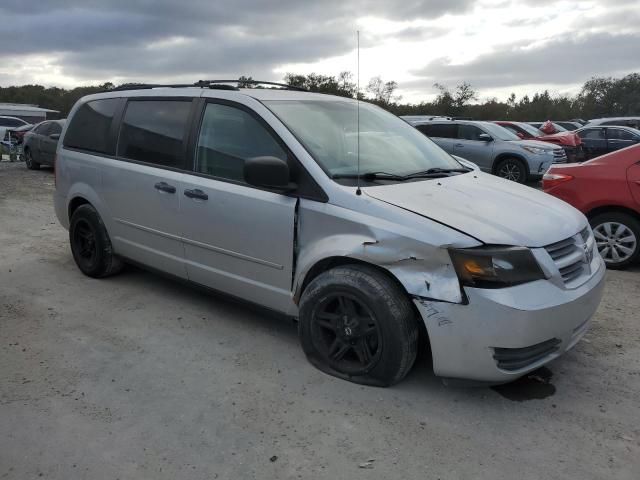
90,244
617,237
357,324
29,161
512,169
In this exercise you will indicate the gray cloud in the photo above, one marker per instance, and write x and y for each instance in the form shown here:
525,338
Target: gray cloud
565,60
106,39
165,40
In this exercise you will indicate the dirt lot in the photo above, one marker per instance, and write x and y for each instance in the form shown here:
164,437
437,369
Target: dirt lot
137,376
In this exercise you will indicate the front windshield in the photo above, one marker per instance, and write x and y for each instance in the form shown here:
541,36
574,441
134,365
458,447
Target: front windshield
530,129
328,130
498,131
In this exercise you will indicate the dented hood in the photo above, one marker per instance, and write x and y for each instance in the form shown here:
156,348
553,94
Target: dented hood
570,139
493,210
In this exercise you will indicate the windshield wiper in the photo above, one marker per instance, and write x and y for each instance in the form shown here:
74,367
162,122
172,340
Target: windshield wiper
430,173
368,176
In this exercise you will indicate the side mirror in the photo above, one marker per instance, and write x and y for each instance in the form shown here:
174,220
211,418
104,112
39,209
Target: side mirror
485,137
268,172
54,136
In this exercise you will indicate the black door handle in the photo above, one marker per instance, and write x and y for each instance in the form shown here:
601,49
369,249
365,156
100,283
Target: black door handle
165,187
196,193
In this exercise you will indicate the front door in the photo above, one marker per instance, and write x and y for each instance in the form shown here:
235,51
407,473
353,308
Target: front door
238,239
469,146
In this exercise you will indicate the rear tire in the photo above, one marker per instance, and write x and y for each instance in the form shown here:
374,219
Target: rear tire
358,325
90,244
512,169
29,161
617,236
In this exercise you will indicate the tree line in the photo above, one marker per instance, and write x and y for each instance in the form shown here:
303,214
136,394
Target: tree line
598,97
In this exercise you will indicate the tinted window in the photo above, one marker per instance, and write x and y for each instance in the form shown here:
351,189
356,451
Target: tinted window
89,127
153,131
42,129
10,122
511,128
55,128
619,134
439,130
228,137
592,134
469,132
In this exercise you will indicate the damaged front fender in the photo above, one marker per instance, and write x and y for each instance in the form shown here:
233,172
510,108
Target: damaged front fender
412,249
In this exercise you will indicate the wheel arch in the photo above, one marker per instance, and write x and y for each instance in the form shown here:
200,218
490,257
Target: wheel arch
504,156
612,208
74,203
328,263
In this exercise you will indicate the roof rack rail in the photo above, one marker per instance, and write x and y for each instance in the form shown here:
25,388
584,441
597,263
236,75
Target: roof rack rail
208,83
218,84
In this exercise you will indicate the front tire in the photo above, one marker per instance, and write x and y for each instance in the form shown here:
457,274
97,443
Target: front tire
512,169
90,244
29,161
617,236
358,325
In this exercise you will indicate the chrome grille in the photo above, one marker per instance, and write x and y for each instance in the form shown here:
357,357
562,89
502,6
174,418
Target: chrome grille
559,155
572,256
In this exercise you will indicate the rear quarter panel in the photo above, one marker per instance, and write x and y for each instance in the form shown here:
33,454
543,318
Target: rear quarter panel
595,185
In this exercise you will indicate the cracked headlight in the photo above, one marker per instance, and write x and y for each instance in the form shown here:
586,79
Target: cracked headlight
495,267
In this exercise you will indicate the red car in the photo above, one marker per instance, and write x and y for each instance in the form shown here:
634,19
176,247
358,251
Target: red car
570,141
607,190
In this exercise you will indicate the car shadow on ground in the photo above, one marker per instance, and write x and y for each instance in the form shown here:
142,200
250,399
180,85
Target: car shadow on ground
421,380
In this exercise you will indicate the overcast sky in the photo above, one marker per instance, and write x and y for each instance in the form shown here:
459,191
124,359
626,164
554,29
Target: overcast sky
499,46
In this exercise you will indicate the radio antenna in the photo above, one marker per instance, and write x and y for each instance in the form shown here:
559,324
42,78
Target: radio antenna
358,190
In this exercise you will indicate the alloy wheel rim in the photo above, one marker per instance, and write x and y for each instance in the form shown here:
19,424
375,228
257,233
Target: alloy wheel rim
85,242
616,242
346,333
510,171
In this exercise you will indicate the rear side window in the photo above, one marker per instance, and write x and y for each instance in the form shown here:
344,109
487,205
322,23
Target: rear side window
619,134
592,134
89,127
439,130
42,129
55,128
153,131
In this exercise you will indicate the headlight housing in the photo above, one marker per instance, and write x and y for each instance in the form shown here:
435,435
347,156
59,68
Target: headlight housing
495,267
535,150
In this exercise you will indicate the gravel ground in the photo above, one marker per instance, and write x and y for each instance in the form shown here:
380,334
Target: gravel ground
138,376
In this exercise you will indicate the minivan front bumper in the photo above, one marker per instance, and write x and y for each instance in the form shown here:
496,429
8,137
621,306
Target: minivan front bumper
502,334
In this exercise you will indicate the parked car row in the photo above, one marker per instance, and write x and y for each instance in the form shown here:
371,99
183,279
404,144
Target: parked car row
493,148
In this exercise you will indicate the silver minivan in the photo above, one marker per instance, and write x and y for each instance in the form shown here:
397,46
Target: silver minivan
336,213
